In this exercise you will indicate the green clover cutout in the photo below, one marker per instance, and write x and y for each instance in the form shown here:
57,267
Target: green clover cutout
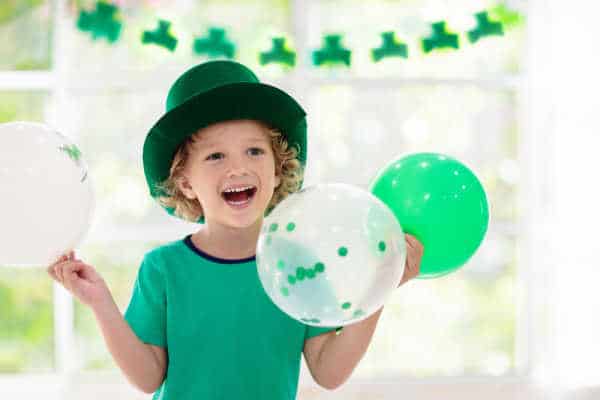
161,36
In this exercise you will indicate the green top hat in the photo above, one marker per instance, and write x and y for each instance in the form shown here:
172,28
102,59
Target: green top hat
212,92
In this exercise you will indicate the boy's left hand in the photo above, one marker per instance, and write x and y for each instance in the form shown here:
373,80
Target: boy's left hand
414,253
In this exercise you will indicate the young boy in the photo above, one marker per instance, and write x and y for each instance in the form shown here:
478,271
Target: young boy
199,325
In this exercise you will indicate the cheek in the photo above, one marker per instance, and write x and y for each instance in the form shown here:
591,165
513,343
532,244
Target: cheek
203,184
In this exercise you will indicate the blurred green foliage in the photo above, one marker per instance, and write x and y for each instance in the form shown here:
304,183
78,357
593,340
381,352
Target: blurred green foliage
11,9
24,106
26,32
26,320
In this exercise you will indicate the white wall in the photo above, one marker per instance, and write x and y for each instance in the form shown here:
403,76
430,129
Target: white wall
565,110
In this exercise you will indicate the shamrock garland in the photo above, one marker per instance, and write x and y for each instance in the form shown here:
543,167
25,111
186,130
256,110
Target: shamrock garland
506,16
485,27
332,53
215,45
390,48
161,36
104,22
440,38
278,54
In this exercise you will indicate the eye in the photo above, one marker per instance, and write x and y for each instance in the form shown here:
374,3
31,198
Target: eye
214,156
255,151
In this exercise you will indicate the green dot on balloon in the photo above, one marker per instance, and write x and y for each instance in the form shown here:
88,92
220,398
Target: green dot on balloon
300,273
285,291
358,313
315,320
273,227
291,279
319,267
346,305
381,246
310,273
280,265
343,251
290,227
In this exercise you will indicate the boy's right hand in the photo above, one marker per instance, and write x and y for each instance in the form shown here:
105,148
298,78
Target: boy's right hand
80,279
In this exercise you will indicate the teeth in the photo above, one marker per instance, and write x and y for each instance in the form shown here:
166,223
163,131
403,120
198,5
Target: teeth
241,189
238,203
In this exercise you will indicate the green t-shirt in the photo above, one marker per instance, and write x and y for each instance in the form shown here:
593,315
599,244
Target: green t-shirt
224,337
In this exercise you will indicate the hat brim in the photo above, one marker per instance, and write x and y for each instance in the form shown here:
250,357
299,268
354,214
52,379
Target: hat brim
245,100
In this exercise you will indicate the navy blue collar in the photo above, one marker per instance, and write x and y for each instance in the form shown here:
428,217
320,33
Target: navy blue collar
188,242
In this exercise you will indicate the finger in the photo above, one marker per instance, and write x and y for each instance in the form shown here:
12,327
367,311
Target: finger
88,272
416,242
72,267
71,275
59,259
58,272
51,272
416,247
411,240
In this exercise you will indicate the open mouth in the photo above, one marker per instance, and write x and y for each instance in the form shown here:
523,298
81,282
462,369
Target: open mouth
239,196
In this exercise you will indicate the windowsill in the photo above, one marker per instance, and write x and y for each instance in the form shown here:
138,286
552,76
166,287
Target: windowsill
100,385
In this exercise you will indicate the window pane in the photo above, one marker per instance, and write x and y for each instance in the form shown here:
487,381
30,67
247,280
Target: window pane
111,141
248,24
26,313
23,106
361,24
26,32
463,323
355,132
26,321
118,263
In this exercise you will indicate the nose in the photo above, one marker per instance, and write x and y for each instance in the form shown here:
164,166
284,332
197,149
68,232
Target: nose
236,167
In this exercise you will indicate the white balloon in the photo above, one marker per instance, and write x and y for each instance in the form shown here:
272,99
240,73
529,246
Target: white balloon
46,195
330,254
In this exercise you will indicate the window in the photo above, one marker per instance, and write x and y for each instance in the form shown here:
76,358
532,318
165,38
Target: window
464,102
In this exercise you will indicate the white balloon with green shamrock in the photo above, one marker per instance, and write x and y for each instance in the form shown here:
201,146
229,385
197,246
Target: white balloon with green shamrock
330,254
46,196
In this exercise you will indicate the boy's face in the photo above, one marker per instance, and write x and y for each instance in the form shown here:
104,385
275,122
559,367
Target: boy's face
231,171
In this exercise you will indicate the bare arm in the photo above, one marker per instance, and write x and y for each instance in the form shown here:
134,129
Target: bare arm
331,358
144,365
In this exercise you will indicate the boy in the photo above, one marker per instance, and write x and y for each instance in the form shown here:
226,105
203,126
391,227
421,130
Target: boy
199,325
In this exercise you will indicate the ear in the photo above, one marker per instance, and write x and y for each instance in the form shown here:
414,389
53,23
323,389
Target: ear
184,186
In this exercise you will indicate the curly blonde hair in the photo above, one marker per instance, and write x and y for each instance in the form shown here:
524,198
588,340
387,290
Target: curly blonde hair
287,166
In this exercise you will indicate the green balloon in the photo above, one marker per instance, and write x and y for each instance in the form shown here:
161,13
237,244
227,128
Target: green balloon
441,202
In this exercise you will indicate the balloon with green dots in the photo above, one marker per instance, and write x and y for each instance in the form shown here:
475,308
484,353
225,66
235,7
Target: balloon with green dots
330,254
